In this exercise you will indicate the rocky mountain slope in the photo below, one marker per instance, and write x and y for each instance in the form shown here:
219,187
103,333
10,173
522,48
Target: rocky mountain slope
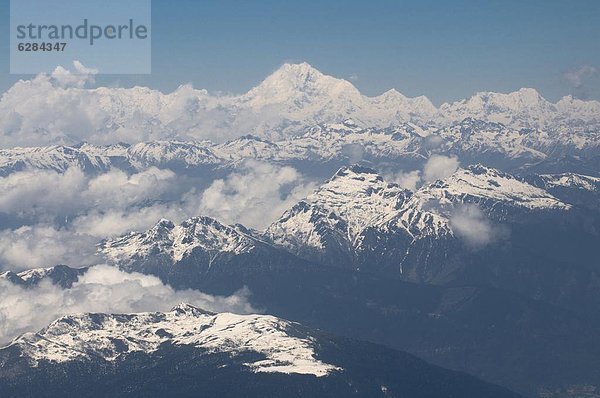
188,351
477,226
496,334
485,238
193,250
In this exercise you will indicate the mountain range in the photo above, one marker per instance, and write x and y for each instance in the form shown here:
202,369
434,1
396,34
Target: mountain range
437,234
286,103
323,148
487,266
228,355
365,258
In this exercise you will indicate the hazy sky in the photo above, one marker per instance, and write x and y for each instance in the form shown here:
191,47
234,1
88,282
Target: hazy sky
446,50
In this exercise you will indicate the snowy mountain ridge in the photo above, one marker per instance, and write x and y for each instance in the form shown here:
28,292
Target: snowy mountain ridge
478,184
582,182
473,140
341,214
357,202
358,195
177,241
286,349
293,98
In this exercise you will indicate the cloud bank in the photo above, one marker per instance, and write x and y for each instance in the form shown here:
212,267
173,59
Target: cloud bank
45,245
254,196
80,77
101,289
410,180
57,218
60,108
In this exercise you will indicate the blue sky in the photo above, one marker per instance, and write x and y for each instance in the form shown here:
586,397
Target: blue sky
446,50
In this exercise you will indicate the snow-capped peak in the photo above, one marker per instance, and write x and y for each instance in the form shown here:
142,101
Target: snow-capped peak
480,184
285,347
358,195
524,97
524,108
428,212
178,241
327,225
188,309
55,157
299,85
527,96
420,105
300,72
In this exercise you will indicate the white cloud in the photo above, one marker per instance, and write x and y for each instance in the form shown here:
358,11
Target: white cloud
57,108
104,224
62,108
44,245
40,193
116,189
79,78
576,77
255,195
59,217
433,141
354,152
439,167
408,180
469,223
101,289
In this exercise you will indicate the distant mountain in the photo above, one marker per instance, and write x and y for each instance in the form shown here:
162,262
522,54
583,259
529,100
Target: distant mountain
304,96
525,108
60,275
583,191
404,146
563,164
290,100
57,158
188,351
